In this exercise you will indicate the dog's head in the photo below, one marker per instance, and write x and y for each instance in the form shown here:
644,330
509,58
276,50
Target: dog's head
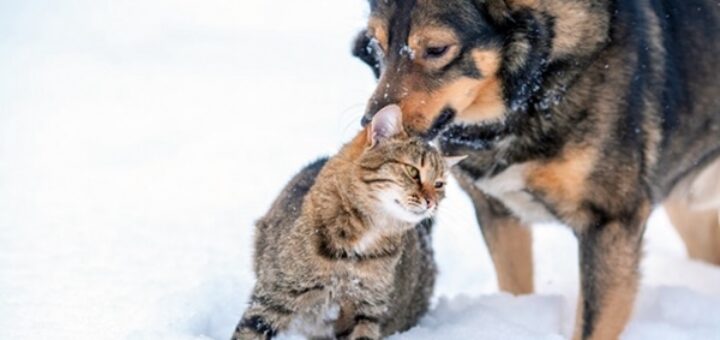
462,61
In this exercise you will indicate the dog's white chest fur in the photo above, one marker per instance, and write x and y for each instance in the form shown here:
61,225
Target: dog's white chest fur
509,187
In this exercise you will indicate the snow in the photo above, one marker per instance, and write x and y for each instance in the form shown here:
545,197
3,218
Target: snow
139,141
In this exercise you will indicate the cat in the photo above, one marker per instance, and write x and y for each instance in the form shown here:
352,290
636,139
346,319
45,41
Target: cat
345,252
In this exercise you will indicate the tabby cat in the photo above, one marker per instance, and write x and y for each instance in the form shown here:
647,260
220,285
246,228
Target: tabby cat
344,252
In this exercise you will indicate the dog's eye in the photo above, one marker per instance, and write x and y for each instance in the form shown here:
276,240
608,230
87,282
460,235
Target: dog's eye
434,52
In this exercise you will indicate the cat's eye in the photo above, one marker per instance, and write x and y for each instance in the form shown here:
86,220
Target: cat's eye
439,185
413,172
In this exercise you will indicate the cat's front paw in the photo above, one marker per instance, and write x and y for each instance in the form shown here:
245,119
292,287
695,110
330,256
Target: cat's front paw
246,334
366,331
254,328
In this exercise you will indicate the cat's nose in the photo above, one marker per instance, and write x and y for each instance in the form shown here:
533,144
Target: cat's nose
429,203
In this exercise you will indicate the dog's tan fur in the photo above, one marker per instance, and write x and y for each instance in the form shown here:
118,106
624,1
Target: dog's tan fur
509,241
694,209
586,112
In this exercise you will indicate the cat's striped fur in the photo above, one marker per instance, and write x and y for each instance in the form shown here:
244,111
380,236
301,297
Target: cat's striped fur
344,252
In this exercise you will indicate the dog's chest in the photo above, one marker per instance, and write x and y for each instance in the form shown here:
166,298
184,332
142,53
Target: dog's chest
510,187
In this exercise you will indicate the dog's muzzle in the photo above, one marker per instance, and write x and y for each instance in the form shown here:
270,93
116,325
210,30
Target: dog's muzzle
366,119
439,124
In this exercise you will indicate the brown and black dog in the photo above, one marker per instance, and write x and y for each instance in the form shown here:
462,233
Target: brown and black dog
585,112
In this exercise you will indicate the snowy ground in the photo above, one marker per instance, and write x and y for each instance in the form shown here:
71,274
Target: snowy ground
139,140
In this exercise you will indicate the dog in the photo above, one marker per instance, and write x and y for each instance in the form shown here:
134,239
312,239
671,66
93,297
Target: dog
585,112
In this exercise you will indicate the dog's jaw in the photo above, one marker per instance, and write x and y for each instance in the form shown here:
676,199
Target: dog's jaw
440,124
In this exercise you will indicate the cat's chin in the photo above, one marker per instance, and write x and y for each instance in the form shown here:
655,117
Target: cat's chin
396,210
410,217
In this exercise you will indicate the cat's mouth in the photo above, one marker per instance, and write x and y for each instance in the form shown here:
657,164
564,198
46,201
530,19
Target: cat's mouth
417,210
398,209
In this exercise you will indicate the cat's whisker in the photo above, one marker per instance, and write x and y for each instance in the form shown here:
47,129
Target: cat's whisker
355,118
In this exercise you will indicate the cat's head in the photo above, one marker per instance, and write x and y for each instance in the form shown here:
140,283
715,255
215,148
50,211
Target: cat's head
404,177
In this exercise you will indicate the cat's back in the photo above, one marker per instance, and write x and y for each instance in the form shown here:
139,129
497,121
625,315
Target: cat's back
286,208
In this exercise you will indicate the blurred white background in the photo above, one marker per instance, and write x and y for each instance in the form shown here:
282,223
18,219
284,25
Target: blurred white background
139,141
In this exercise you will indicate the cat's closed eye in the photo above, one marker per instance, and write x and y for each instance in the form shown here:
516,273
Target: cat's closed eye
439,185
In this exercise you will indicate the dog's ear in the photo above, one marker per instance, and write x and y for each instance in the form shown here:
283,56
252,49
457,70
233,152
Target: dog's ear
501,10
497,10
364,50
527,45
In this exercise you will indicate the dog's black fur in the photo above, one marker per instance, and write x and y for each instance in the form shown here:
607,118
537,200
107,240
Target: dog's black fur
606,105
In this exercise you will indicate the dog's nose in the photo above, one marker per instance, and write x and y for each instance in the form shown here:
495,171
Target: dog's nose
369,114
366,119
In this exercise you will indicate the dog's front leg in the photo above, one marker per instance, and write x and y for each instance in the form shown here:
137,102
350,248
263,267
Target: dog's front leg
508,240
610,251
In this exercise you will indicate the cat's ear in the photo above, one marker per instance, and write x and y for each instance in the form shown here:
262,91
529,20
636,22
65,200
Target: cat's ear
453,160
385,124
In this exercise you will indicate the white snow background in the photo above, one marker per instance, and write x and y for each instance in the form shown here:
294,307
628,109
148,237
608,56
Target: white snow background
139,141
